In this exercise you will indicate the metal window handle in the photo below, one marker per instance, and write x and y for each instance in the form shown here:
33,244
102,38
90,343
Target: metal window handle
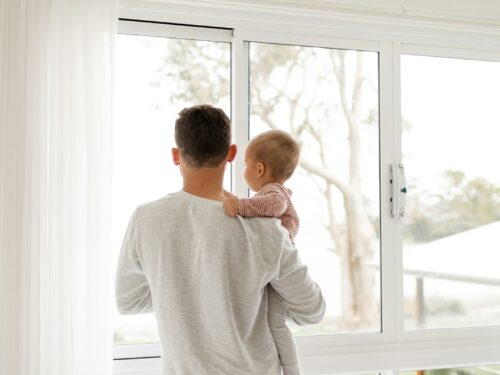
398,190
403,190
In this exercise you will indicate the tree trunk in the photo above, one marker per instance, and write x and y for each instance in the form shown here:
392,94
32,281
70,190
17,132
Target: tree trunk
360,308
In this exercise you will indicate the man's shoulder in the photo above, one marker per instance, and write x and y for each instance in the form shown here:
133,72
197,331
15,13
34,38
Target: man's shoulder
168,202
166,199
271,223
265,228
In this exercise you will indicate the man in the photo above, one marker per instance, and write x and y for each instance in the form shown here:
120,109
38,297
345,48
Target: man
204,273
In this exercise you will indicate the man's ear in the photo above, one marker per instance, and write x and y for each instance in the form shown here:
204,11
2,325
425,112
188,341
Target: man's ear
176,157
231,153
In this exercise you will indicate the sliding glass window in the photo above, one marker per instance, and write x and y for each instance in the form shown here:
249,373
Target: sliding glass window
328,99
397,188
157,77
450,135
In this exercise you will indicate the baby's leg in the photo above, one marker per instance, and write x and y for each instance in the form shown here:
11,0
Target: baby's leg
283,338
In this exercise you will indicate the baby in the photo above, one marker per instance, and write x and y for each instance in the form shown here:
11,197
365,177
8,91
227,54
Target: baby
270,159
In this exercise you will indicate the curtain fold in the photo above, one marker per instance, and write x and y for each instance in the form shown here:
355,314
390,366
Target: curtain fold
56,271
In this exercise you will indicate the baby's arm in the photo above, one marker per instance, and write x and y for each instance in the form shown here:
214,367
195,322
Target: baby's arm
269,204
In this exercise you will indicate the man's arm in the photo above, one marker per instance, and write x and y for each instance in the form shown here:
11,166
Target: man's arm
301,296
133,295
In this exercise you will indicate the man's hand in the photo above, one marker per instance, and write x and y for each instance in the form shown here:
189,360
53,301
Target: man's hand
231,206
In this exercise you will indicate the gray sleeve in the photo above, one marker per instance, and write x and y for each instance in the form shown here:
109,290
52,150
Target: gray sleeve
133,294
298,292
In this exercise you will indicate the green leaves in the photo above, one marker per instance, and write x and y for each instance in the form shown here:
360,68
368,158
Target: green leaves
463,204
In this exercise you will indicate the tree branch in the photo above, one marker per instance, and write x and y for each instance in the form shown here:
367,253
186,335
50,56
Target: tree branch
328,177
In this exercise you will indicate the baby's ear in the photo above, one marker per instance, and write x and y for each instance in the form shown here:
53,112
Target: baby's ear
261,169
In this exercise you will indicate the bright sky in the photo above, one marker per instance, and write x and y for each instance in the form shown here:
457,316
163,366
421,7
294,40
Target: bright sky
453,107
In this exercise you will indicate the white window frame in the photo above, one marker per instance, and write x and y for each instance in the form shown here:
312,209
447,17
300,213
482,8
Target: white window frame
393,349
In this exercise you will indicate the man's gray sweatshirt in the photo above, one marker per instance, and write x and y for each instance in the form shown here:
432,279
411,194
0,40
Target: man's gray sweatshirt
204,274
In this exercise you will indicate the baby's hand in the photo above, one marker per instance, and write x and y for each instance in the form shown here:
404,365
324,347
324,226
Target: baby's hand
231,206
227,194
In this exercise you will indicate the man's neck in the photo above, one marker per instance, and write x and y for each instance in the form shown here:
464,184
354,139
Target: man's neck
205,183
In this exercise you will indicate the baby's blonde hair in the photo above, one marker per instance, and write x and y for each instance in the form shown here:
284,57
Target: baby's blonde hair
277,150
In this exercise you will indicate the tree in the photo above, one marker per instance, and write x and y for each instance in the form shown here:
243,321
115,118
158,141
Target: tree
464,203
288,87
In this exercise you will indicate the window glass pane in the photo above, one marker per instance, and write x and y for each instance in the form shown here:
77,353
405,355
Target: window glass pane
328,99
451,129
156,78
478,370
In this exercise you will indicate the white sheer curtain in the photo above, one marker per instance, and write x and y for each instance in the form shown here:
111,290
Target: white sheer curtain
56,269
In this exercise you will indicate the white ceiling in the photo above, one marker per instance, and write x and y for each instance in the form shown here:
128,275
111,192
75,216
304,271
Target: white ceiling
483,12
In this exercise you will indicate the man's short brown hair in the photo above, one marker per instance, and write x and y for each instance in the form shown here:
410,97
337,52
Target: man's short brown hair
203,135
277,150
